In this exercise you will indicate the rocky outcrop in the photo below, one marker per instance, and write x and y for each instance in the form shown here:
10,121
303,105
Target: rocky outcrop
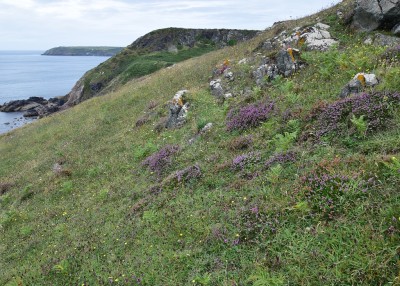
358,84
33,106
385,40
314,37
396,29
370,15
178,109
75,96
285,63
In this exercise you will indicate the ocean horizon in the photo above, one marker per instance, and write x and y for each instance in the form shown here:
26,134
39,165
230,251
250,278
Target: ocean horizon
26,73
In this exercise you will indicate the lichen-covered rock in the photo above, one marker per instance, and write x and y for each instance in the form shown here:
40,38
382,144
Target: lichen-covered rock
285,62
228,74
358,83
385,40
317,37
370,15
353,86
203,130
314,37
178,109
216,89
265,73
396,30
367,79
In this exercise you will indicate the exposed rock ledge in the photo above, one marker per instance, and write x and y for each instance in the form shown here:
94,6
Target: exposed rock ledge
33,106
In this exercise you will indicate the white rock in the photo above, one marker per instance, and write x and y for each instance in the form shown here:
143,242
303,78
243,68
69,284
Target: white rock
370,79
321,45
242,61
181,92
178,97
214,83
206,128
368,41
228,95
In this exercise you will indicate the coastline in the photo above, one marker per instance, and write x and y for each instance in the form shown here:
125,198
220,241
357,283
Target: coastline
12,120
26,74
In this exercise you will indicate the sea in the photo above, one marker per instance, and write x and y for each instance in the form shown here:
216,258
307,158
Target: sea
27,73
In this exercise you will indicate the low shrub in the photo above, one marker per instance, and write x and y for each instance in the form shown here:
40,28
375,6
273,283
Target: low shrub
239,162
329,192
377,109
248,116
280,158
184,176
160,160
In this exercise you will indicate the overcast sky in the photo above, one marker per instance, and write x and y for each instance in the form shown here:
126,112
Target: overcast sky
44,24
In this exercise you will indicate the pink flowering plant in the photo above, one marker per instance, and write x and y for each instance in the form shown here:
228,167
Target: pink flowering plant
248,116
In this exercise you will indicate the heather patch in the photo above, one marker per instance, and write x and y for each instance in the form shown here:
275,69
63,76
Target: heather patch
330,193
280,158
241,161
376,109
184,176
255,224
249,116
160,160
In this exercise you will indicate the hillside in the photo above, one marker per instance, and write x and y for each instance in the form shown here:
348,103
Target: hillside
275,161
151,52
83,51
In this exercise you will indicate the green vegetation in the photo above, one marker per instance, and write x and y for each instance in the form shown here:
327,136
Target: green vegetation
131,64
272,204
83,51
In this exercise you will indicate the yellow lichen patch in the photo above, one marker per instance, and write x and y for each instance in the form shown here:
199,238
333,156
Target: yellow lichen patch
361,78
180,101
290,51
301,42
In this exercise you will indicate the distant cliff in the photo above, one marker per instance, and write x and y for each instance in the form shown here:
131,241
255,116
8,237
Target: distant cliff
83,51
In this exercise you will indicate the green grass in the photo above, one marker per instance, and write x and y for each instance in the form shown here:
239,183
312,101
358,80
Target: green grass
104,223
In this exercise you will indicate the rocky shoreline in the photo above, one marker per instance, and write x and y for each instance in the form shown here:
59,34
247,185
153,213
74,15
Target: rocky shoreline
34,106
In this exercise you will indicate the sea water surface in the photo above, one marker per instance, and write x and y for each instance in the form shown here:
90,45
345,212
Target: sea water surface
27,73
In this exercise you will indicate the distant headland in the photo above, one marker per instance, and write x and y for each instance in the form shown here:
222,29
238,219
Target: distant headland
83,51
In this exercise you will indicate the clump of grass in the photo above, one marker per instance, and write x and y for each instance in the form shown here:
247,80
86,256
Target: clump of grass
240,143
5,187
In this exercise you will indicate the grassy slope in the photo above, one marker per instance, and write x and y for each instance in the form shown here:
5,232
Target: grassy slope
101,225
131,64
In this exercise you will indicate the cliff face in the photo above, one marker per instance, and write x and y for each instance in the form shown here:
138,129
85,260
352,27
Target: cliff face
169,38
153,51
